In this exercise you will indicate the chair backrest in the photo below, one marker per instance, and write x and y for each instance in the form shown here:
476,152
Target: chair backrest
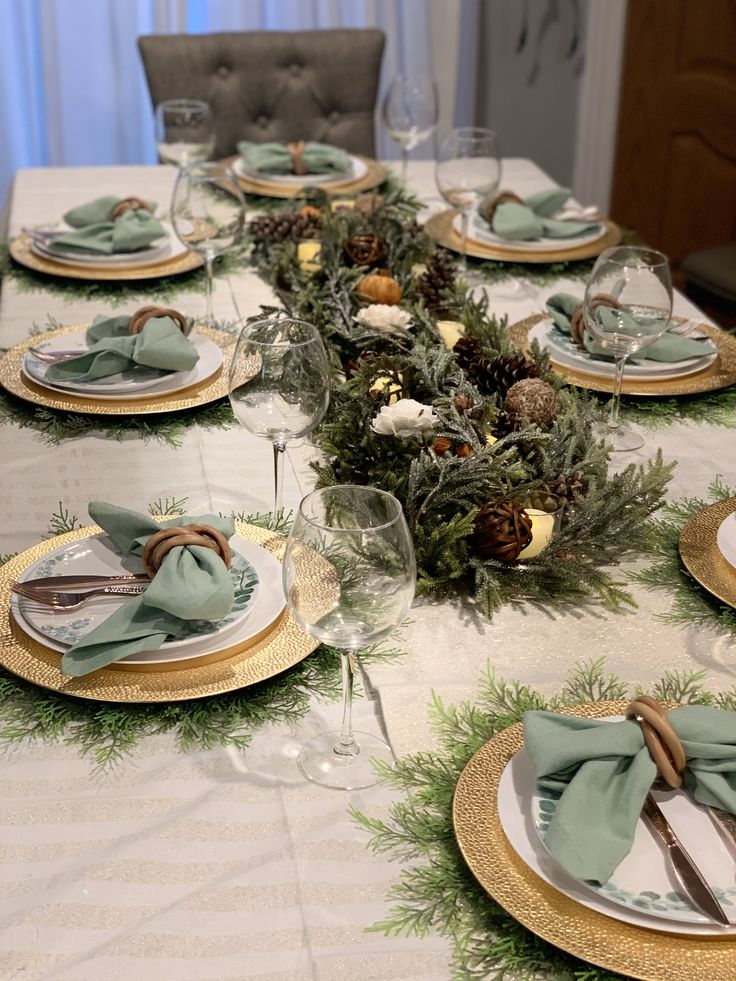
273,85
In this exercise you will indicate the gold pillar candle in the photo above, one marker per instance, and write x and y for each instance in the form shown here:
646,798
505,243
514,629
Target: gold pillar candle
342,204
543,528
306,253
450,331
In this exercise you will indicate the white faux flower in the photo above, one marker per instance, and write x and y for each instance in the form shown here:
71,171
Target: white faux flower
407,417
382,316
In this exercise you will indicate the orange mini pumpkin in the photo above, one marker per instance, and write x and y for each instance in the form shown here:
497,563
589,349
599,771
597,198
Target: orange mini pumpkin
309,209
379,288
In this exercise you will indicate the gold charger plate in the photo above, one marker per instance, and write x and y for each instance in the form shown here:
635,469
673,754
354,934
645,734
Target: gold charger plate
440,228
700,553
375,175
589,935
20,250
205,391
720,374
282,646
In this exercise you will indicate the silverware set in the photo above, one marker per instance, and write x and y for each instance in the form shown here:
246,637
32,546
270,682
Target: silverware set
66,593
54,357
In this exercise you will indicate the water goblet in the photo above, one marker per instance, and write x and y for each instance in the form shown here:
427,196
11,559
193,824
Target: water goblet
410,110
468,170
279,385
185,131
349,579
207,213
626,308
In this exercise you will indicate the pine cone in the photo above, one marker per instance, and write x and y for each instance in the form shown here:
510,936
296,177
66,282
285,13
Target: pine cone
502,531
292,225
438,276
463,404
532,400
491,375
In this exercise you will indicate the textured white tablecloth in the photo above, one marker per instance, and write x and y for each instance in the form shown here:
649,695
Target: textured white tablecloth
218,865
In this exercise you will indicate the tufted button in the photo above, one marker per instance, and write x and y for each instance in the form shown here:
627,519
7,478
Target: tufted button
295,69
262,121
223,71
333,116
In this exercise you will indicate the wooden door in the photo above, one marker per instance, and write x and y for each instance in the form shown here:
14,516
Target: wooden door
675,169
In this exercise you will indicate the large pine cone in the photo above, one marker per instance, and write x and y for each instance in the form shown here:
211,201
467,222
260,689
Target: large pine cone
438,276
292,225
502,531
492,374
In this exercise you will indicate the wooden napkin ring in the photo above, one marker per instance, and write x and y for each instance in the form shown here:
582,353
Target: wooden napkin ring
141,317
129,204
577,321
161,543
489,207
297,164
662,741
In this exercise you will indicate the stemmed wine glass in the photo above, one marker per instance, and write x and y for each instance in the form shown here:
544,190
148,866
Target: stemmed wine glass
410,110
279,385
208,212
468,170
627,307
349,578
185,132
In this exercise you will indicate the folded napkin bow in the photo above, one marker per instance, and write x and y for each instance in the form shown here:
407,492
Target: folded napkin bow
604,771
532,218
192,583
160,344
278,158
98,231
668,348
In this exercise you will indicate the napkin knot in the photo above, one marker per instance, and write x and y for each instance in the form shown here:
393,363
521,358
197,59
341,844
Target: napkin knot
662,741
577,321
296,150
489,207
129,204
141,317
162,542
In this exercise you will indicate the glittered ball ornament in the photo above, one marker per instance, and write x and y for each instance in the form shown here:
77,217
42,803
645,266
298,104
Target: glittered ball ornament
532,401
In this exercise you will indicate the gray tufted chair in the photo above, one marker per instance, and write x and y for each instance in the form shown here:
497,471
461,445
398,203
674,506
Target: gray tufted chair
273,85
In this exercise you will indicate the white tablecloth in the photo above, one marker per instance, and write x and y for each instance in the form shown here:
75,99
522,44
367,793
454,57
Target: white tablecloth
226,864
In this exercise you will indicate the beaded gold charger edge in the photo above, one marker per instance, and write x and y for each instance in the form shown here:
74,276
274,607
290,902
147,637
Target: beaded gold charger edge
720,374
375,175
700,553
611,944
20,250
202,393
283,646
440,228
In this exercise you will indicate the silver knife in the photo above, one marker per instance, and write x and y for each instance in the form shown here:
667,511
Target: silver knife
686,871
726,824
60,583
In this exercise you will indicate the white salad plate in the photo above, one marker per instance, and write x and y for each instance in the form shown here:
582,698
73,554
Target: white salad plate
726,539
168,248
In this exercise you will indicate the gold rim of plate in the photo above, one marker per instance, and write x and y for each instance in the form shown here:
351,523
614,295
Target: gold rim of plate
720,374
205,391
700,553
375,175
283,646
20,250
634,951
440,228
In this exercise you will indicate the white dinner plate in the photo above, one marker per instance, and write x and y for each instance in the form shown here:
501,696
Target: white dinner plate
259,600
127,384
563,351
168,248
358,168
726,539
642,891
480,232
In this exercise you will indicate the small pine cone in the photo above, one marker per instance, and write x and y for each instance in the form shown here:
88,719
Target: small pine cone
467,350
502,530
438,276
365,357
568,488
532,400
463,404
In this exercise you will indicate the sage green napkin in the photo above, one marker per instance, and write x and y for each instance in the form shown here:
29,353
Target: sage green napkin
274,158
97,233
603,771
533,219
159,345
193,583
668,348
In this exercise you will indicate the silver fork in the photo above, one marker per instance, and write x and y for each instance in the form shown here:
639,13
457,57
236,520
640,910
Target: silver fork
53,357
688,327
72,601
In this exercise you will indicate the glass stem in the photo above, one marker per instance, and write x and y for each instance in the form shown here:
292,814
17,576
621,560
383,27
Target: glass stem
465,220
279,446
208,268
404,164
618,378
347,746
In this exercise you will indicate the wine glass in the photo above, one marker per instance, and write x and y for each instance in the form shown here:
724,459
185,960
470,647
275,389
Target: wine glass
468,170
185,132
208,212
410,110
279,385
349,578
627,307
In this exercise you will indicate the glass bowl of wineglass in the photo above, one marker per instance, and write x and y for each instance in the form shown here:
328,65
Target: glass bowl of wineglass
410,111
349,579
279,385
185,131
626,308
468,170
208,213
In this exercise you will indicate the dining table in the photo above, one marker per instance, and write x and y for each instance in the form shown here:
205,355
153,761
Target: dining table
226,863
